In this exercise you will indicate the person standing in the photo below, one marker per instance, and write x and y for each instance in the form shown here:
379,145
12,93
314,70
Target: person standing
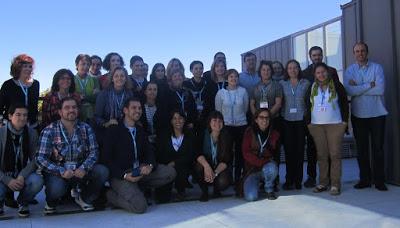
365,83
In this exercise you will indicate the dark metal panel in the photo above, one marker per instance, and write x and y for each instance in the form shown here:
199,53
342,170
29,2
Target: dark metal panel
349,32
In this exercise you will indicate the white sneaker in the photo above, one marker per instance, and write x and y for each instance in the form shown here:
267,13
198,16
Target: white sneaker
74,193
49,210
83,205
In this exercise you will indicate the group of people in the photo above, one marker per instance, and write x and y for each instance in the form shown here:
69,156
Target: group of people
221,127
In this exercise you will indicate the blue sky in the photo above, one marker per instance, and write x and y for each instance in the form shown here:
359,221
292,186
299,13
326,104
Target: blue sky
55,32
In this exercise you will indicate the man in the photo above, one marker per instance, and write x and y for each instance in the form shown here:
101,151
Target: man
217,57
316,56
67,155
95,67
17,149
365,83
137,77
131,161
249,78
145,70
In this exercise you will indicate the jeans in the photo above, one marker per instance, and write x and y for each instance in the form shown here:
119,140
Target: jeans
91,185
33,185
268,173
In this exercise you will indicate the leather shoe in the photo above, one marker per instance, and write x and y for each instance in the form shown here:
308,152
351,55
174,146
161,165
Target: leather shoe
381,187
361,185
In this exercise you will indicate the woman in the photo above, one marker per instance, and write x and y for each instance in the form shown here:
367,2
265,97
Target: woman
178,97
278,71
233,103
111,61
61,87
150,110
22,88
174,65
175,148
214,161
87,87
109,102
327,116
260,143
158,76
293,110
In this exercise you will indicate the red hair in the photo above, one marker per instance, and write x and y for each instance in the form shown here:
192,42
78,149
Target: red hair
18,62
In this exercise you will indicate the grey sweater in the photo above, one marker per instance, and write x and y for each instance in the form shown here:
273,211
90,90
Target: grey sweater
30,167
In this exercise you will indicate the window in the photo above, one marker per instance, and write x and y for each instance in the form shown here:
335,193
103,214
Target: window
300,50
334,45
315,38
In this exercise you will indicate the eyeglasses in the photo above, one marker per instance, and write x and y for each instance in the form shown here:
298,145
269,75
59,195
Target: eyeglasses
263,117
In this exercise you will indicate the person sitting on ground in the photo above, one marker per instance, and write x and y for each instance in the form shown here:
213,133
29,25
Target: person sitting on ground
67,156
17,166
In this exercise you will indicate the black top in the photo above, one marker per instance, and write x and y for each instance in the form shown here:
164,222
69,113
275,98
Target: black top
166,152
224,147
119,150
12,93
308,73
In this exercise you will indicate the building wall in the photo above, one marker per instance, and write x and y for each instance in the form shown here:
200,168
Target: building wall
377,23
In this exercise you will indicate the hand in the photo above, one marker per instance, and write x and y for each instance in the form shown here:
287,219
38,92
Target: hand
111,122
146,170
132,179
21,180
68,174
79,173
208,174
171,164
15,185
372,84
352,82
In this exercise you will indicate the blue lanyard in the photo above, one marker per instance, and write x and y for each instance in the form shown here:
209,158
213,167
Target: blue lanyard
132,131
182,100
323,96
17,150
294,91
220,85
198,92
82,84
119,102
67,141
262,144
213,151
25,91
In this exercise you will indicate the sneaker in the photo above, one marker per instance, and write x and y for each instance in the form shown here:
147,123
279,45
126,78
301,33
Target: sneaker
271,196
74,193
334,191
85,206
48,210
310,182
9,200
23,211
320,188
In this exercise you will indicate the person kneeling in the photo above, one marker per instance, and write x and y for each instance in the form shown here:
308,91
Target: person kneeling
17,148
259,146
67,156
131,160
213,163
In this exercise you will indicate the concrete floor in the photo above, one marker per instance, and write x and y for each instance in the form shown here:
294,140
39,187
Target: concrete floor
353,208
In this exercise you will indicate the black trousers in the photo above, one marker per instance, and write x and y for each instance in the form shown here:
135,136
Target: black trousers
221,182
370,131
294,134
311,156
237,136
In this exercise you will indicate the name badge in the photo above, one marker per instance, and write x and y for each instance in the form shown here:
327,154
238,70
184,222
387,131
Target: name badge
264,104
70,165
293,110
321,108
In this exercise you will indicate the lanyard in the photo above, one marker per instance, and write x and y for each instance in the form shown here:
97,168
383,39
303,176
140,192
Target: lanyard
182,100
82,84
294,91
119,102
67,141
323,96
177,142
213,151
198,92
262,144
139,83
25,91
132,131
17,151
59,96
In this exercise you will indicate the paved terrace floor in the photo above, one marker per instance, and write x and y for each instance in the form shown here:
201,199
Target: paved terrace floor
353,208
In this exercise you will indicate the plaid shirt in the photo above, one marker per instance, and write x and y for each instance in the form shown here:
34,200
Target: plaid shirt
50,107
54,150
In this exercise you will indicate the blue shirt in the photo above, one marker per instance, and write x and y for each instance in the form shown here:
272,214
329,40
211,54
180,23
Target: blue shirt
366,102
294,104
248,81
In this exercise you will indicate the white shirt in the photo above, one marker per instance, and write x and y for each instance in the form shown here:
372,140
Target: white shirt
325,112
233,104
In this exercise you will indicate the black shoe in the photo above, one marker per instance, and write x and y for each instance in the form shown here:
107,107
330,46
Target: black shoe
298,186
309,183
381,187
361,185
23,211
49,210
217,194
9,200
287,186
1,210
271,196
204,197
